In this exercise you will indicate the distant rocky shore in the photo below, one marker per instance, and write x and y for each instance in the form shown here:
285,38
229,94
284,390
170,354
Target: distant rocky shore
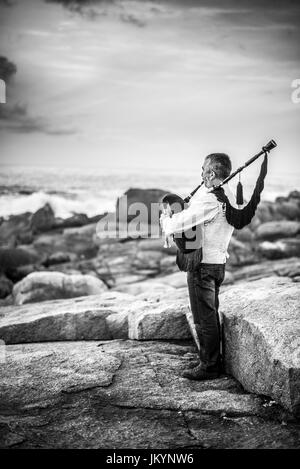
36,249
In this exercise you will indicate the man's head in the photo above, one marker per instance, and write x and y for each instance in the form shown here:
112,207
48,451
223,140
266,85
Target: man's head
216,168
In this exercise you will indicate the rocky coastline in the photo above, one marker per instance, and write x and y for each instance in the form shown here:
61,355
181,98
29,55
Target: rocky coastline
106,319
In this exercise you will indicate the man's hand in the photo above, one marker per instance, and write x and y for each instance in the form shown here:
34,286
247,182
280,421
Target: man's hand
163,216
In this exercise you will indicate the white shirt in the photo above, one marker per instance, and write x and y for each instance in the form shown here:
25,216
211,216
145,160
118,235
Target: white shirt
208,214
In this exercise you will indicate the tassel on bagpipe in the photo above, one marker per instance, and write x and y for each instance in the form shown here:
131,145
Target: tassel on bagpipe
239,193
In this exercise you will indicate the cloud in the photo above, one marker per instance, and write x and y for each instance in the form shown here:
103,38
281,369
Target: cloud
16,118
7,3
86,8
128,18
131,12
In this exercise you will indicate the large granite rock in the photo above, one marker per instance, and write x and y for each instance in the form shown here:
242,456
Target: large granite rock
127,208
151,315
158,320
13,258
58,258
6,286
128,394
41,286
290,209
277,229
79,241
283,268
85,318
261,323
78,219
15,228
279,249
241,253
43,219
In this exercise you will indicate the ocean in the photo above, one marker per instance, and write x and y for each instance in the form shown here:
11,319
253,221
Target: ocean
95,190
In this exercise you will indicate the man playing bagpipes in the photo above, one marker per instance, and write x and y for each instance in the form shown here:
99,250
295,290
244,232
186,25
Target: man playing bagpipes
202,231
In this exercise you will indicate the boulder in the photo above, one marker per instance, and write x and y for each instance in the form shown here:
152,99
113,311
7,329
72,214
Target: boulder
85,318
7,301
13,230
78,219
6,286
11,259
284,268
245,235
280,249
57,258
266,212
261,327
241,253
127,211
79,241
152,321
294,195
41,286
290,209
43,219
17,274
25,237
277,229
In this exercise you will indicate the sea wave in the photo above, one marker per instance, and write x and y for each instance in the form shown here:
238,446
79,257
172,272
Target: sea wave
63,206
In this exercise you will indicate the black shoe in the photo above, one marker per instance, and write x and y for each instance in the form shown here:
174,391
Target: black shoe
193,364
200,375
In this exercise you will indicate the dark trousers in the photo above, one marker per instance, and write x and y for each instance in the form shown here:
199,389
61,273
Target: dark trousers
204,284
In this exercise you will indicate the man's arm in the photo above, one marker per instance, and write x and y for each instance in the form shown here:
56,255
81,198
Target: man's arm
204,209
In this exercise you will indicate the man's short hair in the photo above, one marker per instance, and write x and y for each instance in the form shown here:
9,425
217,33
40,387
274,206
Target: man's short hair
221,164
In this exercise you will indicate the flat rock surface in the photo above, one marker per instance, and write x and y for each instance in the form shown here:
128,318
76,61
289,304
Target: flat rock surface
94,317
128,394
111,315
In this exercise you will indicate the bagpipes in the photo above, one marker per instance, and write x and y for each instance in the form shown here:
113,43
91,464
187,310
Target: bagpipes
238,218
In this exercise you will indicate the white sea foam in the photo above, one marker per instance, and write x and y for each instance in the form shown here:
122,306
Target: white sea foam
63,207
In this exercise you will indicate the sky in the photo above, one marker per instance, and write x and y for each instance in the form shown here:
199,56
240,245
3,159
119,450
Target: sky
149,84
